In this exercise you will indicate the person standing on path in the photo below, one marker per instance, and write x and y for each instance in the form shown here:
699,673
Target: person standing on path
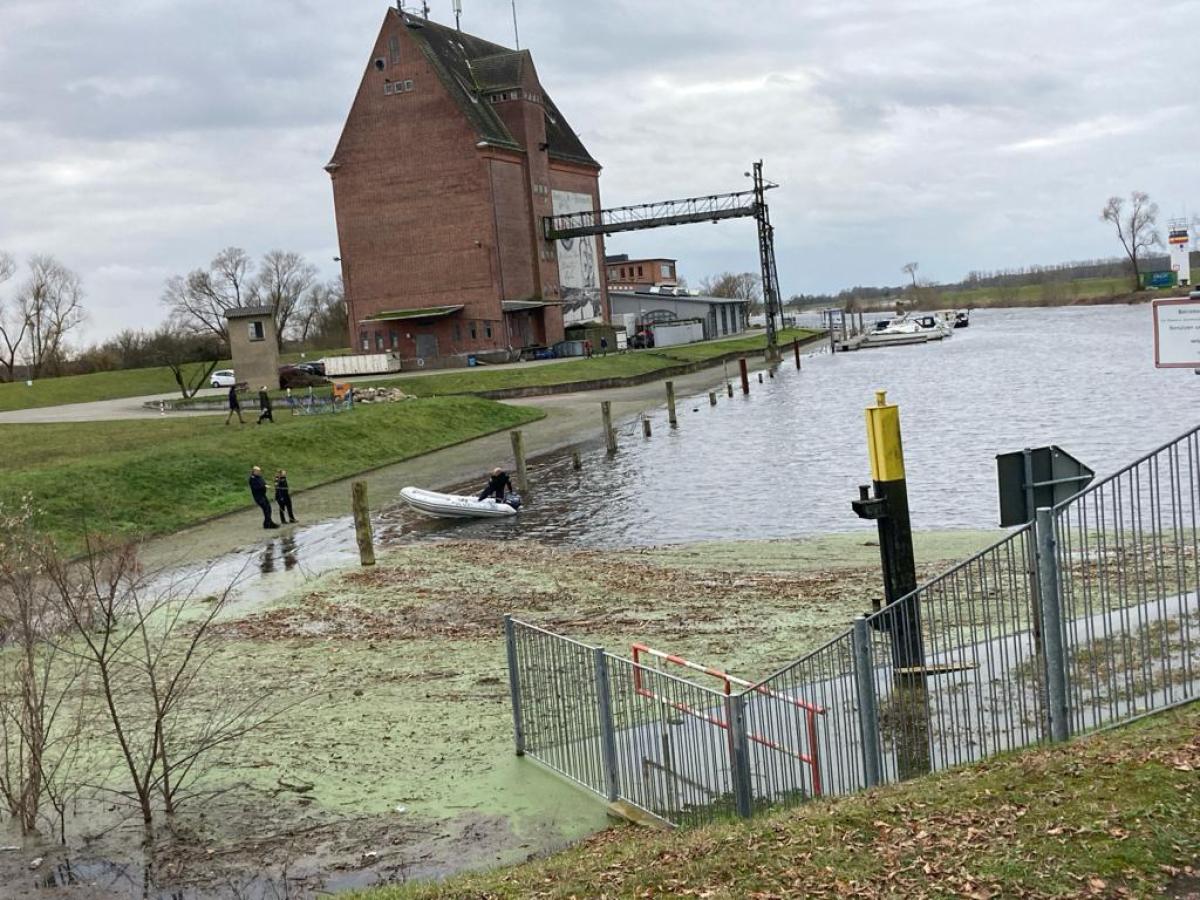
603,346
264,402
283,497
258,490
235,405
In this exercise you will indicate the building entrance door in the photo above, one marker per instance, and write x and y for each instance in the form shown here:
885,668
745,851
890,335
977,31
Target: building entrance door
427,346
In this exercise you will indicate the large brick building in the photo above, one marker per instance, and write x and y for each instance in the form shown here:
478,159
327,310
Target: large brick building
450,157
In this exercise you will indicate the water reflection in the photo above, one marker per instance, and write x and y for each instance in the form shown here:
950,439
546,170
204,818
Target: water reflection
788,459
285,548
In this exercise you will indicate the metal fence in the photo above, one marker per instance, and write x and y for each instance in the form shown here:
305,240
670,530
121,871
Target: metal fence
1085,618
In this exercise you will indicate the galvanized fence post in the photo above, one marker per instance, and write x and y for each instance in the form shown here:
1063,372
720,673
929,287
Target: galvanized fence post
514,683
608,738
1053,651
739,754
868,702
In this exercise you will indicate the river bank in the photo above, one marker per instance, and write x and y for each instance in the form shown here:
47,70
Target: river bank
392,758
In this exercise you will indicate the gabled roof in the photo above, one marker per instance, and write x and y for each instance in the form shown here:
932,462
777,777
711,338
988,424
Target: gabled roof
471,67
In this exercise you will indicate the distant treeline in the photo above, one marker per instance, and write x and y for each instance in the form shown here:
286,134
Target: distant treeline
1114,267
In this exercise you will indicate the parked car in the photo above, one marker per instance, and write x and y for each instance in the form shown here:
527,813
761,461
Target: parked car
299,377
223,378
316,368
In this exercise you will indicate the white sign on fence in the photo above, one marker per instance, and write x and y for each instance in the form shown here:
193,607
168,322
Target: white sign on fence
1177,333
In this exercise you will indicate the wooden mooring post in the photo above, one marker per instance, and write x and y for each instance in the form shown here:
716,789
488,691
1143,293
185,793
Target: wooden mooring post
745,375
729,388
760,381
712,398
796,350
671,420
576,461
518,448
610,436
645,428
362,523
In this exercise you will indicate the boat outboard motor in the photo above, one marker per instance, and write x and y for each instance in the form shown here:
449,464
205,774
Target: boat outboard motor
514,500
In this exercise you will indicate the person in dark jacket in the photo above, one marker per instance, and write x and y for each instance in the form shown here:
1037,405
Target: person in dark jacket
235,405
258,490
498,486
264,402
283,497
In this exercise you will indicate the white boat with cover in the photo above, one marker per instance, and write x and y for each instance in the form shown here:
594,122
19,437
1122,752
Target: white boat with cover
456,506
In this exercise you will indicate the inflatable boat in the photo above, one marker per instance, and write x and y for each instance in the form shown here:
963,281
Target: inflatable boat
456,506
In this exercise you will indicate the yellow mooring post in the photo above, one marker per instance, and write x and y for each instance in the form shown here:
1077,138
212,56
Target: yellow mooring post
886,501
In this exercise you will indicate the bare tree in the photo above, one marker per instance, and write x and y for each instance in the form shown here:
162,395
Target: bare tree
910,269
321,319
1137,227
150,653
283,280
201,299
740,286
41,710
51,302
14,326
190,357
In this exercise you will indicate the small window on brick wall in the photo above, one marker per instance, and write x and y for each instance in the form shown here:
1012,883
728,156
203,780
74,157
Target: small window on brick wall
363,340
394,50
379,340
256,331
474,333
487,329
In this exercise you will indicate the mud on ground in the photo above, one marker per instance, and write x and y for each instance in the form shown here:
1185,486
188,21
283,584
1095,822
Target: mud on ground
392,756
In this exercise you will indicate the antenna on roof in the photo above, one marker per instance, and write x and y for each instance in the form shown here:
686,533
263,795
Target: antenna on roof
425,11
458,15
516,35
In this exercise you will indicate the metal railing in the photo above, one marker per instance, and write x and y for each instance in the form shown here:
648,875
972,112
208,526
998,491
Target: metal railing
1126,561
1087,617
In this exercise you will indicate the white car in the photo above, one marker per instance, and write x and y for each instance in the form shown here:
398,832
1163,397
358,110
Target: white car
223,378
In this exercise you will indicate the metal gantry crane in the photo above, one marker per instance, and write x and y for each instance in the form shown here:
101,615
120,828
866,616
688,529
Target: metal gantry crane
665,213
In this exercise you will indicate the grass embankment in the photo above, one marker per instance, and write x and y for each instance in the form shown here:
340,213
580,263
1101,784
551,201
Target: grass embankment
148,477
108,385
1111,815
576,371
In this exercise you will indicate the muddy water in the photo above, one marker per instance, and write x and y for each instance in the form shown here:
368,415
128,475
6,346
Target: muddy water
787,459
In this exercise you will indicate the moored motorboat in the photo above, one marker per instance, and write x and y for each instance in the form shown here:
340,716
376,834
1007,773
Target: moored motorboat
456,506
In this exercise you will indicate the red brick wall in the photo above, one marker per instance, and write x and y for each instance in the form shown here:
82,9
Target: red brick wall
510,191
411,195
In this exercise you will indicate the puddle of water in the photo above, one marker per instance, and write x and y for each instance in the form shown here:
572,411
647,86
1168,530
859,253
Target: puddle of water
787,460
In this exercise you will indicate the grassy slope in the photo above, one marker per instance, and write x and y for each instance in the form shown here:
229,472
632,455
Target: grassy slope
155,476
615,365
1111,815
107,385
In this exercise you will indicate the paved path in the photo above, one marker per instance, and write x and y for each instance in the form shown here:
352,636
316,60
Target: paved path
325,538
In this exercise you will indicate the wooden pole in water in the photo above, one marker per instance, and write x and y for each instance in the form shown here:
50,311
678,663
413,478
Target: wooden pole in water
362,523
712,398
745,375
645,428
518,447
576,460
671,404
729,388
610,436
796,350
760,378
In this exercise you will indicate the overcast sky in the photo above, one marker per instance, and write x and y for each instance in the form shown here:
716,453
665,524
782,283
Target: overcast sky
139,137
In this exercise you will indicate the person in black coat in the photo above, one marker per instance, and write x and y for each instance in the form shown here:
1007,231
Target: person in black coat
498,486
235,405
283,497
258,490
264,401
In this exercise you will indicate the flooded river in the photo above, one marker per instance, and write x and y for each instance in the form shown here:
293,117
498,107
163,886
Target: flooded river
786,460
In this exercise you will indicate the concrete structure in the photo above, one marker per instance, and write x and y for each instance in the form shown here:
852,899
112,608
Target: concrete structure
1179,236
720,316
625,274
450,157
254,346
